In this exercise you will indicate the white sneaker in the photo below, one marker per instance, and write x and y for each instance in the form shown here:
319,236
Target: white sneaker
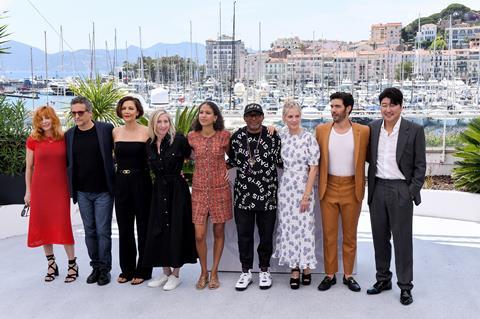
172,282
244,280
265,280
157,282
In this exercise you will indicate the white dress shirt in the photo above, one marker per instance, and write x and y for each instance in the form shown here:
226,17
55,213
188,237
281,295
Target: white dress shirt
387,167
340,153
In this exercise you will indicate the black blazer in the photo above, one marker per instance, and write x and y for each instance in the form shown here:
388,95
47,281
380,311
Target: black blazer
105,140
410,156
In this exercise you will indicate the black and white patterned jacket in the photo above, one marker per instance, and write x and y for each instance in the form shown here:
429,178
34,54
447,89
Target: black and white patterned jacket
255,186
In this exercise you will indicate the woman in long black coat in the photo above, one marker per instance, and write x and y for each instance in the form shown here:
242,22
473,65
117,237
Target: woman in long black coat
171,235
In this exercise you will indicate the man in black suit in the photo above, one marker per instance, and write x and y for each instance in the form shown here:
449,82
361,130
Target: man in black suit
91,178
395,176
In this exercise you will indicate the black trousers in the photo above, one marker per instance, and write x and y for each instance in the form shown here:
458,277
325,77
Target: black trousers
245,221
132,202
391,213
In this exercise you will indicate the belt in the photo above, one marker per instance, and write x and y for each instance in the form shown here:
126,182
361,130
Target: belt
389,181
131,171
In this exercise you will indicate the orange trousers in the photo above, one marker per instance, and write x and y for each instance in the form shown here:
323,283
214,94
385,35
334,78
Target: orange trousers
340,199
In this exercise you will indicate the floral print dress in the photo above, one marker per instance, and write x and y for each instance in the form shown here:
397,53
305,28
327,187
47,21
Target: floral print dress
295,242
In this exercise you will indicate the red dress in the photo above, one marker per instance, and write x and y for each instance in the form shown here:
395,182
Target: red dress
211,193
49,198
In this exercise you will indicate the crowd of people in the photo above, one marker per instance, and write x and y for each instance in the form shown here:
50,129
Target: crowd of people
139,170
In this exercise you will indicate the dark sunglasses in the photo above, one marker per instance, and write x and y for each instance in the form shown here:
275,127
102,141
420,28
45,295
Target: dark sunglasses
79,113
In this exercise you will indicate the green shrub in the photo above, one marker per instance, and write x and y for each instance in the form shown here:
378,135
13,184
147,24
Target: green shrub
467,171
14,130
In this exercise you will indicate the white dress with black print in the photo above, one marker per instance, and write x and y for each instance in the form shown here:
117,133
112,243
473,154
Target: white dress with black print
295,243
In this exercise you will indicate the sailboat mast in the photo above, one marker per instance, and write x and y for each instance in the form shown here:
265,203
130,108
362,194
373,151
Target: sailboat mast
61,46
232,76
114,52
46,61
94,59
142,76
128,65
259,52
220,49
31,70
190,67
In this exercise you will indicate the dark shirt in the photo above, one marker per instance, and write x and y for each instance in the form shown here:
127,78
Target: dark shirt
88,171
256,185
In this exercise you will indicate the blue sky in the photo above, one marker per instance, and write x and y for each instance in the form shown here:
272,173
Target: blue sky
168,21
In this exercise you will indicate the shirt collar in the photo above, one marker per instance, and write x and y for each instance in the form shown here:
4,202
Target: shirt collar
396,127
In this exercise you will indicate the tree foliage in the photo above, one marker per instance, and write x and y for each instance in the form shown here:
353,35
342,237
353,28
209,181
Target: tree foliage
103,95
3,37
14,130
467,171
438,44
184,118
407,67
167,69
458,11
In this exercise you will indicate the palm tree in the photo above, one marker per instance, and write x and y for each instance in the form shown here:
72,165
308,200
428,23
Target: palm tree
3,36
184,119
467,172
183,123
103,95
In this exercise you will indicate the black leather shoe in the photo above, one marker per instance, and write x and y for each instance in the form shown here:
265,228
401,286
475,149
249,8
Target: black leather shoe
380,286
93,277
103,278
406,297
351,283
327,282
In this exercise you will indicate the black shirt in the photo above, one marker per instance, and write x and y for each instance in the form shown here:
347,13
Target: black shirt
88,170
256,183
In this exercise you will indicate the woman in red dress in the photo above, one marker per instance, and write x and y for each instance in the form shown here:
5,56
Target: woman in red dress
211,195
47,191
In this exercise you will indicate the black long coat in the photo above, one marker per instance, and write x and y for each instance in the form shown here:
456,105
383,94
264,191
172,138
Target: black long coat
171,234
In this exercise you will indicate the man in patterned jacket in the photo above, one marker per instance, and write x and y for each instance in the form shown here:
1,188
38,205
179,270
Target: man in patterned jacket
256,155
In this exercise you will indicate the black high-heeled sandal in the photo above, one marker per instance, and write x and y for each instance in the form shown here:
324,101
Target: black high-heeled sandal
306,278
72,265
50,276
295,282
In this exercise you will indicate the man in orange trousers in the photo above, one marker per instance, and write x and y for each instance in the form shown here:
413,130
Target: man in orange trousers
343,150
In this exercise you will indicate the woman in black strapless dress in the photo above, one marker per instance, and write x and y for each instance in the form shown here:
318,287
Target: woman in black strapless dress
133,188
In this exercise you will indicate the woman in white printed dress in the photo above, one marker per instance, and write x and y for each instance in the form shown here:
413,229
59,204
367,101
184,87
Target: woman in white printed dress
295,243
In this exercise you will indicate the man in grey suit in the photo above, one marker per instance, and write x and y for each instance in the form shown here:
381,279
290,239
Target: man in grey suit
395,176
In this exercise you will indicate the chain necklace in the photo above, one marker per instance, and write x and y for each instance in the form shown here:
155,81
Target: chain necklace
251,157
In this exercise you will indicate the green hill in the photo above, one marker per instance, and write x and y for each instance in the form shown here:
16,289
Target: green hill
459,12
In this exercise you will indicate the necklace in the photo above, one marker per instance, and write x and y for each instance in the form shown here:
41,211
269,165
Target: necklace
251,157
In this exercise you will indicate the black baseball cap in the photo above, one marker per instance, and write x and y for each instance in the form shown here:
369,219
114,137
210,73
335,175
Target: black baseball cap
253,108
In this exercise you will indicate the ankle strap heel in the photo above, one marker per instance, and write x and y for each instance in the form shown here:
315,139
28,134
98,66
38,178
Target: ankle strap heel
50,276
72,272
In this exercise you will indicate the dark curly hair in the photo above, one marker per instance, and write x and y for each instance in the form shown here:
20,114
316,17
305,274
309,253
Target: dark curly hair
218,125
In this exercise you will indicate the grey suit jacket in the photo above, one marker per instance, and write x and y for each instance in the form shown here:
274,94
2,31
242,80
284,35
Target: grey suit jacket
410,156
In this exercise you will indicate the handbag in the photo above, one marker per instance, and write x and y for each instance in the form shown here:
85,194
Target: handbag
25,211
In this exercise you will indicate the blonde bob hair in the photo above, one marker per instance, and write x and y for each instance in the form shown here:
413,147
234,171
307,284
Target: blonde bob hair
152,125
49,113
290,104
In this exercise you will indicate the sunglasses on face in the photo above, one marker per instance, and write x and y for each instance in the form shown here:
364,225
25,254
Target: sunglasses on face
79,113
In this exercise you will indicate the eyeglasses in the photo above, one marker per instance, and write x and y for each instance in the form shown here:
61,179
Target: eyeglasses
79,113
